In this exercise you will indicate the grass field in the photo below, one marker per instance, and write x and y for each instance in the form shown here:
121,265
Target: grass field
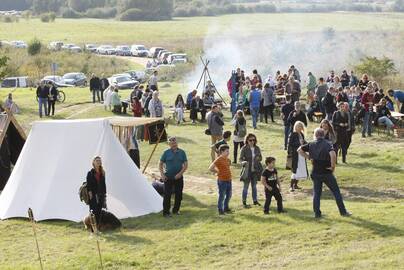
182,32
372,184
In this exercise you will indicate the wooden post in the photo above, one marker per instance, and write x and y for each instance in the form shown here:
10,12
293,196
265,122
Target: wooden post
31,217
154,149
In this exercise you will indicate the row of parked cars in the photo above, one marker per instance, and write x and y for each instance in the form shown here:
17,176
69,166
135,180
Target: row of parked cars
158,53
125,80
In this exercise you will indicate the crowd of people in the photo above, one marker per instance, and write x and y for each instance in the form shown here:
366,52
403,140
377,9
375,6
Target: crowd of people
341,102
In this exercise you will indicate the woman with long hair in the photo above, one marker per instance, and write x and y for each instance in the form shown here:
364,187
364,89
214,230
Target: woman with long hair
179,108
240,131
329,131
96,187
250,157
299,165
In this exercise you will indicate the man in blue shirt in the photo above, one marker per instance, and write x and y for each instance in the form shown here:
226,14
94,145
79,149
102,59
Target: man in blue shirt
398,96
173,164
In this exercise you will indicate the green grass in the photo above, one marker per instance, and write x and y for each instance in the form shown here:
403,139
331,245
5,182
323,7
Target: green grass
183,31
372,184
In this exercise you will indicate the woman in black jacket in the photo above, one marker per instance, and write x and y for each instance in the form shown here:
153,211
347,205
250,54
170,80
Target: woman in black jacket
344,126
53,96
299,166
96,188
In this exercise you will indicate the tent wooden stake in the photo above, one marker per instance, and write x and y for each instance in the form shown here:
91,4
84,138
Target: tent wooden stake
154,149
95,230
31,217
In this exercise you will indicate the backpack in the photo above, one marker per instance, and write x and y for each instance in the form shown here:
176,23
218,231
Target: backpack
83,193
242,130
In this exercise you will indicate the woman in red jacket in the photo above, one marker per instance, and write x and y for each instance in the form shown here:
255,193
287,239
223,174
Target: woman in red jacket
136,107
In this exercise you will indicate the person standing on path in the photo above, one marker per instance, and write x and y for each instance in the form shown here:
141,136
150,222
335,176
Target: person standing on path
95,87
172,166
323,156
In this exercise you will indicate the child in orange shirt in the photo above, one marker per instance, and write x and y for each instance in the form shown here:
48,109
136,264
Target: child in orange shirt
221,166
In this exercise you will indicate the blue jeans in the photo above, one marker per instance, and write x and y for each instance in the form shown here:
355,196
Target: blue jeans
384,120
43,102
225,191
331,183
367,124
253,180
254,114
286,130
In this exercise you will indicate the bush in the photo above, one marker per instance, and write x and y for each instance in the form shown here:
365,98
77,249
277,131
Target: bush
133,14
7,19
45,17
34,47
266,8
376,68
180,12
70,13
210,11
52,16
101,13
26,14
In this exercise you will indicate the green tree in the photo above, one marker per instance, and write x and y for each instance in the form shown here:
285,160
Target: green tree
376,68
79,5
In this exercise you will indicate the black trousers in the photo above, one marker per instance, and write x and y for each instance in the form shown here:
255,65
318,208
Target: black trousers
343,142
134,155
96,207
236,145
51,107
268,197
269,110
102,94
178,185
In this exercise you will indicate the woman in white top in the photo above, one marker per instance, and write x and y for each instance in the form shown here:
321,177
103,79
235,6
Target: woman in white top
107,97
156,106
179,109
299,165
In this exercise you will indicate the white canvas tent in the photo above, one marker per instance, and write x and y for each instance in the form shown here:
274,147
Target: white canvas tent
54,163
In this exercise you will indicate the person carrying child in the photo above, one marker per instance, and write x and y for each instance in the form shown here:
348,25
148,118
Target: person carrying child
221,167
272,185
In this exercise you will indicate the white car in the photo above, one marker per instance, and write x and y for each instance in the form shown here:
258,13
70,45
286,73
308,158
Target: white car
123,50
18,44
57,80
153,52
106,49
71,48
123,81
12,82
90,48
55,45
177,58
139,50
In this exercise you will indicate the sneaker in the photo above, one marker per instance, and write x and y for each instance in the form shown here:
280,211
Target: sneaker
297,187
266,212
291,189
257,203
245,205
363,136
346,214
167,215
177,213
228,211
221,213
317,216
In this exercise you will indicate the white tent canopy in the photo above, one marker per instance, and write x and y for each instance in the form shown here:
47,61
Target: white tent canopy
54,163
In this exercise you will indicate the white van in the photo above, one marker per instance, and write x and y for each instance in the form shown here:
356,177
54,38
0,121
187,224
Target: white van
13,82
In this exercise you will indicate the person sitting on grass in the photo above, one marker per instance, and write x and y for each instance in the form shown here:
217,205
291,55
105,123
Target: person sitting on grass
116,102
225,140
270,180
10,105
221,167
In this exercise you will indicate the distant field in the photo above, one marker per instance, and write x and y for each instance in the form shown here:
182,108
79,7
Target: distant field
184,31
